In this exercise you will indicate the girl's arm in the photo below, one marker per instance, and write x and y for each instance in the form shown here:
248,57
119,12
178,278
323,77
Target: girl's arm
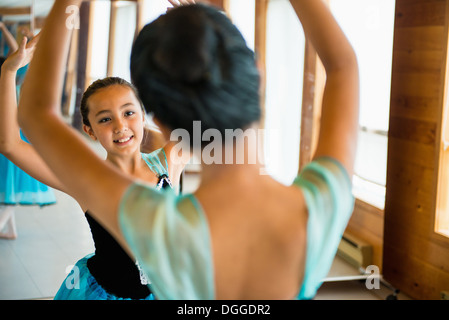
340,106
12,146
94,183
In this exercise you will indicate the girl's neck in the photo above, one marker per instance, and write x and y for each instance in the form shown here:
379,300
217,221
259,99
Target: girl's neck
242,160
129,163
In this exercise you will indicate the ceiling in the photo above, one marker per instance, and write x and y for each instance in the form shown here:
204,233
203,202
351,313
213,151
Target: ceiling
41,7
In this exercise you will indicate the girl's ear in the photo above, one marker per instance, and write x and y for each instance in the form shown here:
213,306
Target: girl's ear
90,132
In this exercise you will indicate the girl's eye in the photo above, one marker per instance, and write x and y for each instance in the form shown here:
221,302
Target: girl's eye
129,113
104,120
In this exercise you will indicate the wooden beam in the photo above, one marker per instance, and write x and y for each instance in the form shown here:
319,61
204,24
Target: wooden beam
307,110
111,45
32,17
139,18
70,74
14,11
415,257
83,36
39,22
260,44
314,78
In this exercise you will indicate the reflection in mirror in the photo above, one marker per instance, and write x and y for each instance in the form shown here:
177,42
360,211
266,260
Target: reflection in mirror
18,19
48,240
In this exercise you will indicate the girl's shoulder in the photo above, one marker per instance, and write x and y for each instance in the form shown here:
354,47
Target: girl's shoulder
157,161
157,154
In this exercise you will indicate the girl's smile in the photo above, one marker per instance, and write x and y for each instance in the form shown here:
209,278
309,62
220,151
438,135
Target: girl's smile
123,141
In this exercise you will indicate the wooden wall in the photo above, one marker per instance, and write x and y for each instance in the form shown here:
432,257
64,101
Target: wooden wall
367,223
415,258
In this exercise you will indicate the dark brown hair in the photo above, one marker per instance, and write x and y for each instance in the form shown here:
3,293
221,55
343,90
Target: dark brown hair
194,64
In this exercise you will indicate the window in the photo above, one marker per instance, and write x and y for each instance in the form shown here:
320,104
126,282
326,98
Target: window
151,10
369,26
284,76
442,210
242,14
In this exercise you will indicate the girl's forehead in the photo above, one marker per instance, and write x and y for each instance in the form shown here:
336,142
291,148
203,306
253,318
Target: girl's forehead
112,95
116,89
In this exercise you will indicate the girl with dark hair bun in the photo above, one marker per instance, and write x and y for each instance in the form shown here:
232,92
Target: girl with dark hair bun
241,234
201,70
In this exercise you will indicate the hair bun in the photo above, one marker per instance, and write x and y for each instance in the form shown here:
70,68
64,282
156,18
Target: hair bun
187,47
193,64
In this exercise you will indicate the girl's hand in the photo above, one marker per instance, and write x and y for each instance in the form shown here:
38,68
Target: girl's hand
180,3
22,56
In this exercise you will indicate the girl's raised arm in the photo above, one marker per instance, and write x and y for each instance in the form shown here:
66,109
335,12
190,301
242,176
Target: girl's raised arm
340,106
12,146
94,183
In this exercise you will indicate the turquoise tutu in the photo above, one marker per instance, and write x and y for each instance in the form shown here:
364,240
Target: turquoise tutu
19,188
80,284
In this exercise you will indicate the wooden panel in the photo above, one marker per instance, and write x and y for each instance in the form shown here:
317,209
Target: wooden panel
411,60
15,11
418,38
412,130
314,80
111,42
416,259
405,149
418,215
367,223
308,106
421,84
139,18
83,35
424,282
70,74
260,44
419,13
412,107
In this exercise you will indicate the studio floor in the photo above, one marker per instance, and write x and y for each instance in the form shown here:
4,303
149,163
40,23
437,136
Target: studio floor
51,239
